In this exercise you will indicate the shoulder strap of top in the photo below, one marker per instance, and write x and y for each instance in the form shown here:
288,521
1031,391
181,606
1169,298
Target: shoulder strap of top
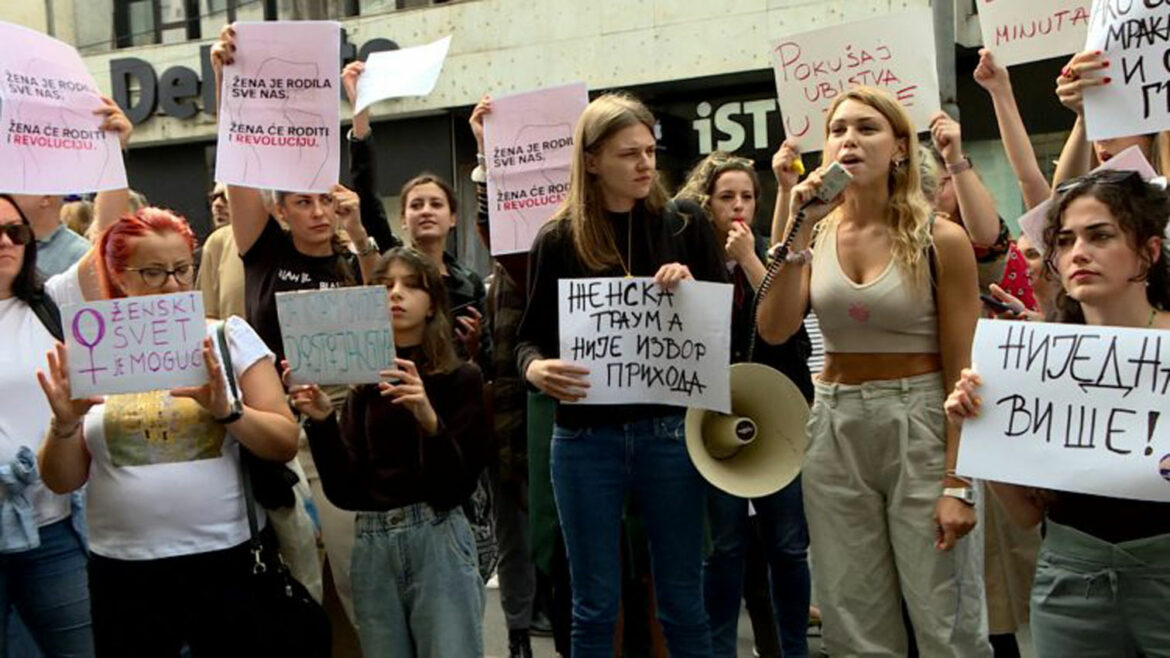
47,312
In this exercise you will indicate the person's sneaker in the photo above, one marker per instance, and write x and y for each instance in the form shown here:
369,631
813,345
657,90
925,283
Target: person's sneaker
540,625
519,645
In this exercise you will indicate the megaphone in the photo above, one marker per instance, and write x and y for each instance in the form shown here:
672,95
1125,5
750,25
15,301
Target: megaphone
757,449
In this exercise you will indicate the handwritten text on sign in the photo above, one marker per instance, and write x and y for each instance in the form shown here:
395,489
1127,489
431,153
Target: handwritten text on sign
135,344
50,142
815,67
278,125
529,142
1019,32
643,344
338,336
1071,408
1136,41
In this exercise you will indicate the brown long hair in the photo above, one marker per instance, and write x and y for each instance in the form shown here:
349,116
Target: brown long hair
437,349
700,184
582,209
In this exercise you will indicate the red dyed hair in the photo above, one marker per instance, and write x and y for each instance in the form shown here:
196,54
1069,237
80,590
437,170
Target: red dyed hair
117,243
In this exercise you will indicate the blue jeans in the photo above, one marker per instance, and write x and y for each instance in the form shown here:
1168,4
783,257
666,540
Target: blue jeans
785,537
593,470
416,584
47,586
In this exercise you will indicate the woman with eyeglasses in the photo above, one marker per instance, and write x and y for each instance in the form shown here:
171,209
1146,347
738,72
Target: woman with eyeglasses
1103,575
727,188
168,533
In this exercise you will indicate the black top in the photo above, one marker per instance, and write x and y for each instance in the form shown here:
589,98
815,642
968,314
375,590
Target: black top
465,290
378,459
683,234
789,357
1114,520
274,265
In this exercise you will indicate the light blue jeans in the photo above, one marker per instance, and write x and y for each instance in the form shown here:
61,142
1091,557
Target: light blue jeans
48,586
416,584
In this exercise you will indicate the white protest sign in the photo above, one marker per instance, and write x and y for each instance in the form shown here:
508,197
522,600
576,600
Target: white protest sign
336,336
1136,41
1020,31
1035,221
135,344
529,143
401,73
646,345
50,142
815,67
1071,408
279,108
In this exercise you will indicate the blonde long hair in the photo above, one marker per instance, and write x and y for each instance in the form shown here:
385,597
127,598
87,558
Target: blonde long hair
582,208
909,214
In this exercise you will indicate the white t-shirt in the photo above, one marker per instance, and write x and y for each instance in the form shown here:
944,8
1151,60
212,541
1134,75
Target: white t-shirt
164,479
24,410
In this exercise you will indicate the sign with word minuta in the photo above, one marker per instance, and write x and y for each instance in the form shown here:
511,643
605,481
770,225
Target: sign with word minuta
51,141
336,336
279,108
135,344
643,344
529,142
894,52
1032,30
1136,41
1071,408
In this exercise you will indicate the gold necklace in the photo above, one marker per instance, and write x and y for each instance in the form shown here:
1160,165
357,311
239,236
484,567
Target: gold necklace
1153,314
629,244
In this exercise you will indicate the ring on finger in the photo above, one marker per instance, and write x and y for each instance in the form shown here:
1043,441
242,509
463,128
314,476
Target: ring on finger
1068,73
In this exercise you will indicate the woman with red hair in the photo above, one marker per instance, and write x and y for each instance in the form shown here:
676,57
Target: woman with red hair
168,531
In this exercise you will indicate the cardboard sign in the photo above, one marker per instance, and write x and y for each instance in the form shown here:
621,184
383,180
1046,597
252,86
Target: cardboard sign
279,108
1071,408
815,67
400,73
643,344
135,344
1031,30
51,142
336,336
529,143
1136,41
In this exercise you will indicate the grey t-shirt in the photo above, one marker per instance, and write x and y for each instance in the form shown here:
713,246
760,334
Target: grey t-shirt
59,251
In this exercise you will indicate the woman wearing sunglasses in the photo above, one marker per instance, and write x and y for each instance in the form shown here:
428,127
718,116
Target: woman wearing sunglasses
1103,574
168,530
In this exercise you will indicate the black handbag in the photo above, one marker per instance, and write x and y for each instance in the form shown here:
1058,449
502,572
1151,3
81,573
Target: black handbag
289,621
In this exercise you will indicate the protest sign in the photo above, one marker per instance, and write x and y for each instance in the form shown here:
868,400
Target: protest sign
528,139
401,73
51,140
336,336
1071,408
1035,221
1135,39
815,67
279,108
643,344
135,344
1019,32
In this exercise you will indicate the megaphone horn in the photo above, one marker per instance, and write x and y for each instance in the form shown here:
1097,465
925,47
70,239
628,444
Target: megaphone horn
757,449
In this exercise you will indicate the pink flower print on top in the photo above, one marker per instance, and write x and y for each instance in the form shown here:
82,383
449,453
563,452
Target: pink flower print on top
859,312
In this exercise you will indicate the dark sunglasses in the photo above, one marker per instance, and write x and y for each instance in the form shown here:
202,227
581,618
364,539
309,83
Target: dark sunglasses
1106,176
20,234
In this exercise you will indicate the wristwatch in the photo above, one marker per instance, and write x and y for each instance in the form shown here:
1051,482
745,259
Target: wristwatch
960,166
370,247
237,412
965,494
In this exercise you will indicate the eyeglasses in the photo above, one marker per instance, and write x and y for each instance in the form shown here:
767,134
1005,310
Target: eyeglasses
19,234
1106,176
211,198
156,277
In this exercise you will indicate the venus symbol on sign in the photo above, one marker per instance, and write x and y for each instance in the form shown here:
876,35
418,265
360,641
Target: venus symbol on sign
79,336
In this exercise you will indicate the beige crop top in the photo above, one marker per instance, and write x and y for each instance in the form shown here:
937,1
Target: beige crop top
888,314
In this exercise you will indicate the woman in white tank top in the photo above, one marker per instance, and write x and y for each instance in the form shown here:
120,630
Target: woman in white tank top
886,514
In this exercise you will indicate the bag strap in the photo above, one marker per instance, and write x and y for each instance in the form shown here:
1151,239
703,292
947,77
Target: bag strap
254,542
47,312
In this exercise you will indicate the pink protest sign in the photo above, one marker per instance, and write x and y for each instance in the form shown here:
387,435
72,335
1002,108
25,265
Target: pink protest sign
529,142
279,108
135,344
894,52
51,143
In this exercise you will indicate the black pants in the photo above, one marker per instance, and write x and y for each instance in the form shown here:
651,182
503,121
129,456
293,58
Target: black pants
151,608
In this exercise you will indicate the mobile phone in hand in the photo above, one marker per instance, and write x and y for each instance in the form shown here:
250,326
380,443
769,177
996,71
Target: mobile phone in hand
995,304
